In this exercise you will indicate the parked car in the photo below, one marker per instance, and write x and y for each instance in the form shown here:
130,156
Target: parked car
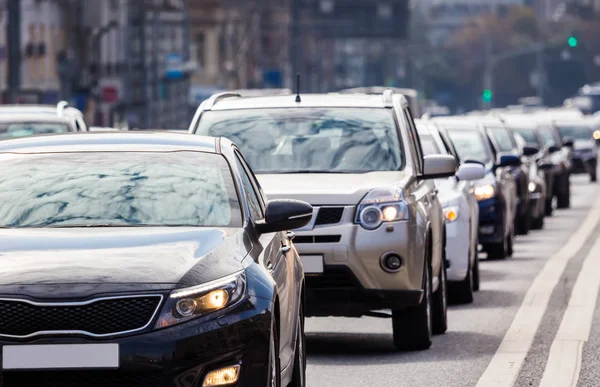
461,213
541,191
496,192
376,238
152,257
578,135
41,113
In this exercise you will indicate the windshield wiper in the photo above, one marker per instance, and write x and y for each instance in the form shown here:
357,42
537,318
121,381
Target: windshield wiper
308,171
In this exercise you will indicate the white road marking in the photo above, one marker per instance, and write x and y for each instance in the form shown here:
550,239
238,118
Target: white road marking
564,361
508,359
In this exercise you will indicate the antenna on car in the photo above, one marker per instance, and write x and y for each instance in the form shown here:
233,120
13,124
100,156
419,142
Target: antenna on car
298,99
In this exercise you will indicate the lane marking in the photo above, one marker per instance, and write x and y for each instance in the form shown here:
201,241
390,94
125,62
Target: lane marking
503,369
564,361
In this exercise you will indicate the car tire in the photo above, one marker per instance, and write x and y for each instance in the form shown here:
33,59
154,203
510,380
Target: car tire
563,200
593,177
299,373
548,210
476,273
509,244
274,371
497,250
462,292
523,224
439,313
538,223
412,327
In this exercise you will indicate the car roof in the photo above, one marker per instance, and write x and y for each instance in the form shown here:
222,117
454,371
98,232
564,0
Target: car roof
109,142
36,109
455,122
22,117
307,100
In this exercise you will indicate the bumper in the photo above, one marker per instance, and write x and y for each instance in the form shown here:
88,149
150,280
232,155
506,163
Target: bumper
583,164
457,250
181,355
491,221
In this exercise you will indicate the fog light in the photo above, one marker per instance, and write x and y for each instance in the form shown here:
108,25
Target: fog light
223,376
391,262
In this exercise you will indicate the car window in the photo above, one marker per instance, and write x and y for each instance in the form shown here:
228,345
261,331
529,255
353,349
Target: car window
528,135
117,189
251,195
502,139
575,132
428,144
283,140
23,129
547,136
413,132
470,144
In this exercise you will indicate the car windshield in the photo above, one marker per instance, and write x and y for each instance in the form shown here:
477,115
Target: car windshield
502,139
22,129
547,136
528,135
428,145
317,140
118,189
469,145
576,132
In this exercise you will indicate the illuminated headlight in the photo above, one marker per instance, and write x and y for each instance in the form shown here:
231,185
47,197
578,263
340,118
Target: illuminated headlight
186,304
596,135
532,186
379,206
484,192
451,213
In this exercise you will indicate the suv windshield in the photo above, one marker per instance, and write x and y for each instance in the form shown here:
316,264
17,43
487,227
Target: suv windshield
502,138
576,132
428,145
22,129
310,139
528,135
469,144
117,189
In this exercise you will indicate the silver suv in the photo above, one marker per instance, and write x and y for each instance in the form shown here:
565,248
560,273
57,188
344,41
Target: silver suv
376,239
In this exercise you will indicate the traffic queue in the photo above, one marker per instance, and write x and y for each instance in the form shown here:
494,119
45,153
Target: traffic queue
160,259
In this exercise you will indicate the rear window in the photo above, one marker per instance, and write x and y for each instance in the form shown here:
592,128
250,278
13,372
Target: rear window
23,129
310,140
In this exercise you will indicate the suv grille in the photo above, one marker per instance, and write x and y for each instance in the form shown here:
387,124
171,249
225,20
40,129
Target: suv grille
81,378
102,317
329,215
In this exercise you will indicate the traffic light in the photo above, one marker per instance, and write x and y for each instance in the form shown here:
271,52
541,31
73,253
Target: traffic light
573,41
487,95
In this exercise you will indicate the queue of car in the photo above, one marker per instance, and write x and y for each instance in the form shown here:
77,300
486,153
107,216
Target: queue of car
162,259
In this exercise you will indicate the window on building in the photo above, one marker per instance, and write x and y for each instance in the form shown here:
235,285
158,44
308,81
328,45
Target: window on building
200,48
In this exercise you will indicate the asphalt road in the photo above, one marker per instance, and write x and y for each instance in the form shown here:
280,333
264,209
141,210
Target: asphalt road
359,352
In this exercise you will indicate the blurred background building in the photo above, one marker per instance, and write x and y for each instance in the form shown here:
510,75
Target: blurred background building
149,63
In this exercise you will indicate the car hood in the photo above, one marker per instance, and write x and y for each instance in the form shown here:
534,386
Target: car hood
329,189
160,257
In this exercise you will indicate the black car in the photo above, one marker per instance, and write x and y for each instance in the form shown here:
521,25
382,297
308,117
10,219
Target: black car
496,193
578,134
145,259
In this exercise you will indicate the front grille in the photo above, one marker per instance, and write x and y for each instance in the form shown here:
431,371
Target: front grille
81,378
317,239
333,278
329,215
101,317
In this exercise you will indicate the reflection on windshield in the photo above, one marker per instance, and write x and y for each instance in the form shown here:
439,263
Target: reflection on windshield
310,140
469,145
23,129
117,189
575,132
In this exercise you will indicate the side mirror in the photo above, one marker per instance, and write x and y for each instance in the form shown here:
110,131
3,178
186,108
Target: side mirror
470,160
553,149
285,214
437,166
530,150
470,172
545,165
507,160
568,142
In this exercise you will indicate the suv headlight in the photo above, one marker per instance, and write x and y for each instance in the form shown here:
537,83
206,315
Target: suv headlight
381,205
451,213
189,303
484,192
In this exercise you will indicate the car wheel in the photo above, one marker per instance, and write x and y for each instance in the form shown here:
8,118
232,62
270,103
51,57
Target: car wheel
462,292
548,209
440,303
564,198
593,177
299,373
523,224
538,223
412,326
274,374
509,244
498,250
476,273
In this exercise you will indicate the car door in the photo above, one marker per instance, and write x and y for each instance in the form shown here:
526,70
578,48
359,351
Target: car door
279,261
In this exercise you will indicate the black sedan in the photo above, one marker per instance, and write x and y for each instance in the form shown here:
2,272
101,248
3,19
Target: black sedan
578,134
145,259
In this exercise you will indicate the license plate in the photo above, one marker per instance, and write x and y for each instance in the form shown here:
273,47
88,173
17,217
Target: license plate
60,356
313,264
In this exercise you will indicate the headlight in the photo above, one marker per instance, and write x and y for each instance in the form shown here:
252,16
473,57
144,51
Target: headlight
186,304
451,213
381,205
532,186
484,192
596,135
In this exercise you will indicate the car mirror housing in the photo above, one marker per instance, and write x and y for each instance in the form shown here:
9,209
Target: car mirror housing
470,160
545,165
470,172
568,142
553,149
437,166
530,150
285,214
508,160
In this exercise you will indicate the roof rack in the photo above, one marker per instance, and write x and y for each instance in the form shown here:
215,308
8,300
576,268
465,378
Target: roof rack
61,106
216,97
388,95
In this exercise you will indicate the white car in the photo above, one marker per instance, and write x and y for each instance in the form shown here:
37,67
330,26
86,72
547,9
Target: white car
461,213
